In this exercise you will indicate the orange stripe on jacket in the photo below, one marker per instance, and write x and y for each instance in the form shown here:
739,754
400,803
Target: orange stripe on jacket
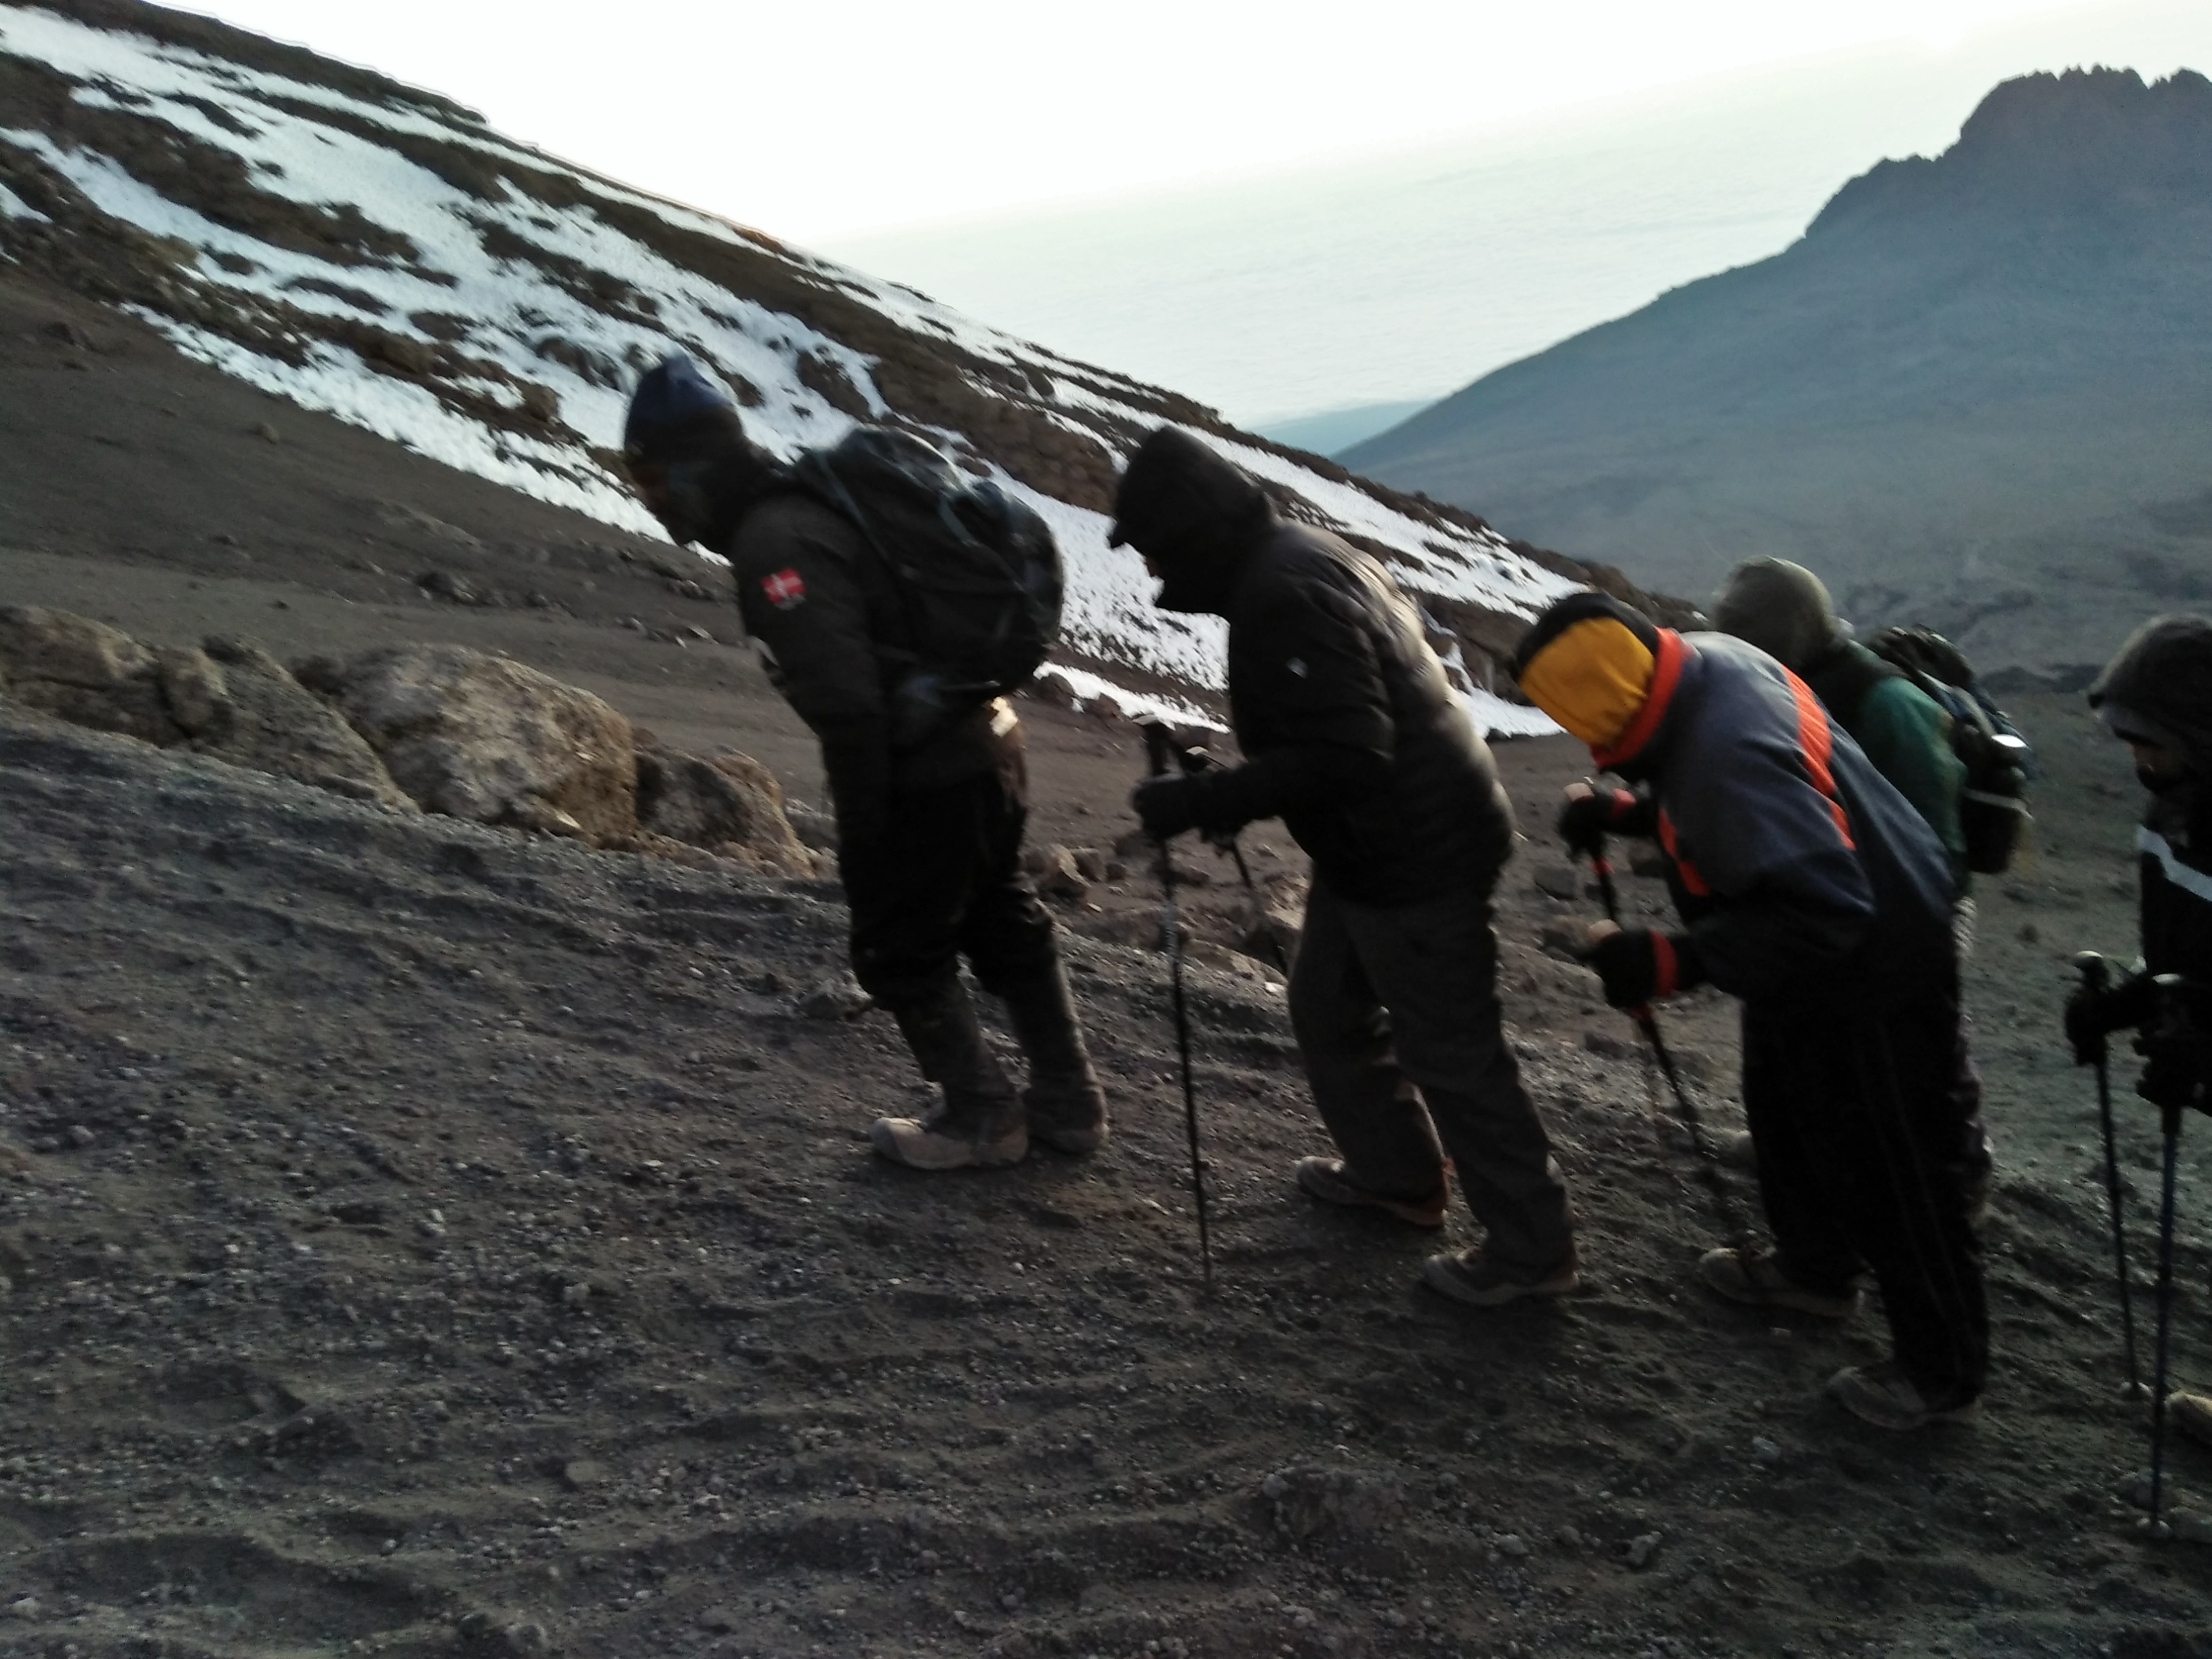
1816,739
1691,881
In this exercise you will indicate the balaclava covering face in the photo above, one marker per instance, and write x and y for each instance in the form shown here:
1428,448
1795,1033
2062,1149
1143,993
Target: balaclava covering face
1588,663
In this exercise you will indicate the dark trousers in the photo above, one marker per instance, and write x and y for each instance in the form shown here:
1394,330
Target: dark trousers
1860,1121
1397,1019
948,884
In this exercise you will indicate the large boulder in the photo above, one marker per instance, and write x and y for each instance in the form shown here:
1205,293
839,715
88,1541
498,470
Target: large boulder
487,739
232,701
89,674
730,805
268,720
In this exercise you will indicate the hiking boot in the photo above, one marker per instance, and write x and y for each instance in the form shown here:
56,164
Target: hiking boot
979,1123
1065,1104
1324,1177
947,1138
2191,1413
1471,1277
1757,1281
1980,1190
1879,1395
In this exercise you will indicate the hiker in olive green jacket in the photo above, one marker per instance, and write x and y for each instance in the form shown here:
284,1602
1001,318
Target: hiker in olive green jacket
1784,610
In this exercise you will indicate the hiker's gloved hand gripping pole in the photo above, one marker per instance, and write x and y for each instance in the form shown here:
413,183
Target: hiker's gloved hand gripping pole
1582,825
1160,762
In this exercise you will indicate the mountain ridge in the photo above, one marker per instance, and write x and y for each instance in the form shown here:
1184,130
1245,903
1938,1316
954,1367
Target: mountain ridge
1975,379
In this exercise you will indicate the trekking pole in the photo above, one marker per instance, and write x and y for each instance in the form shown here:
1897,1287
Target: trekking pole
2095,974
1160,757
1648,1023
2169,1116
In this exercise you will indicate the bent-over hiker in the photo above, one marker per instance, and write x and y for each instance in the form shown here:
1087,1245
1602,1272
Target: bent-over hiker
1784,610
1812,892
929,824
1353,736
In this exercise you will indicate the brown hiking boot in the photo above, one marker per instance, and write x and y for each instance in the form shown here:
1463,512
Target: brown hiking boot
980,1123
1324,1177
2191,1415
1757,1281
1881,1395
1471,1277
950,1139
1066,1104
1068,1115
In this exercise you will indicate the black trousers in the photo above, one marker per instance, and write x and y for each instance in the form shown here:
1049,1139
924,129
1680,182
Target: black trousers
1860,1121
1398,1022
947,883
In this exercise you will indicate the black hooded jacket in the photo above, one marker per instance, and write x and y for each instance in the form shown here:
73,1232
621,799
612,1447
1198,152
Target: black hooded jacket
1350,732
2158,690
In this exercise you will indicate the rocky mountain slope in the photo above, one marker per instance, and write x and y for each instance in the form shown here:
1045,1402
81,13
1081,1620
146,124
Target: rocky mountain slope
376,252
1978,392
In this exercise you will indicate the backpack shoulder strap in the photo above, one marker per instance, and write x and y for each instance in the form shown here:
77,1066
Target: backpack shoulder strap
1842,680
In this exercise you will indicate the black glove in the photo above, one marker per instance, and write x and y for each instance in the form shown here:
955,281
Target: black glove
1168,805
1586,820
1641,964
2094,1011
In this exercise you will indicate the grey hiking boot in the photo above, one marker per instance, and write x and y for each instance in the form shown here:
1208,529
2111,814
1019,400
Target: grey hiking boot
1881,1395
950,1138
980,1123
1324,1177
1471,1277
2191,1413
1066,1105
1757,1281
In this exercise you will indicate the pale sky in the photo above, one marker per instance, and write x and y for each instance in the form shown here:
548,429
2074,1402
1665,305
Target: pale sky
809,120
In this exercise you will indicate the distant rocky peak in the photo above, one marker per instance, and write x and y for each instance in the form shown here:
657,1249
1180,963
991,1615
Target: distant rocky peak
2100,142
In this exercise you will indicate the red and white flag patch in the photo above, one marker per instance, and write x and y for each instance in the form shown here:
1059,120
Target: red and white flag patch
784,589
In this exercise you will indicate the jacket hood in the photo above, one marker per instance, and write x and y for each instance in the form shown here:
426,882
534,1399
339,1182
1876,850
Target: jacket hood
1781,608
1192,515
2158,688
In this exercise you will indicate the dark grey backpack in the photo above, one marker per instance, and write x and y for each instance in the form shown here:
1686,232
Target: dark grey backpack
977,571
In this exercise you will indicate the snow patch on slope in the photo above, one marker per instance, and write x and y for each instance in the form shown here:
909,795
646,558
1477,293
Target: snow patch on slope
553,295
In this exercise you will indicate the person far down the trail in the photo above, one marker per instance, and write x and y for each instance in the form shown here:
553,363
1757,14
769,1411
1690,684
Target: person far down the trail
1810,890
1784,610
1353,736
929,820
2155,696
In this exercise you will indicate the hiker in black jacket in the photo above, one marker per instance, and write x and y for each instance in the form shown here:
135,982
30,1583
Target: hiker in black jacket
2156,696
929,824
1784,610
1810,890
1352,736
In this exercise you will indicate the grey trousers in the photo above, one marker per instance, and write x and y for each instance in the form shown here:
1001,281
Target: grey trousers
1397,1019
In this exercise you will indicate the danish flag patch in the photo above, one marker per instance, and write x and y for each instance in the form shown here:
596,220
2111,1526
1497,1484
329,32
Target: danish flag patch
784,589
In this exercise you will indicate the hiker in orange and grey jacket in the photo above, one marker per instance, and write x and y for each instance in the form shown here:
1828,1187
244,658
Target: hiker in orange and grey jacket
1810,890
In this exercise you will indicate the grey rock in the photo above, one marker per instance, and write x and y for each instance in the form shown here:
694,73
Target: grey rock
1308,1498
1641,1550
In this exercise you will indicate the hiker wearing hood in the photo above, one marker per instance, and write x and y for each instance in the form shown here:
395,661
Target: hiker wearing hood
2155,696
1784,610
929,826
1353,736
1810,890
